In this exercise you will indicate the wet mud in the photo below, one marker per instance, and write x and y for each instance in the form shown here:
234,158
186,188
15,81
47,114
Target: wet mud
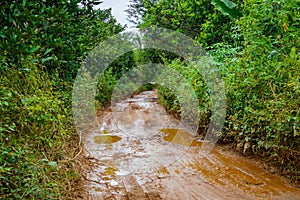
140,152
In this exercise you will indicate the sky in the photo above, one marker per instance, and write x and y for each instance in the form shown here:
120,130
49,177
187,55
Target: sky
118,10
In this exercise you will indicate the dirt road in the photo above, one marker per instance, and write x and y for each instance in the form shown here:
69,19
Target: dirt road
140,152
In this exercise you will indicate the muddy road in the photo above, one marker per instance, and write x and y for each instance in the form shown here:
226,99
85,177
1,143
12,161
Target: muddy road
140,152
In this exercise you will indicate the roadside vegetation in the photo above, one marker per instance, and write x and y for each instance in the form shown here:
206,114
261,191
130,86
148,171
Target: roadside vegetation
42,45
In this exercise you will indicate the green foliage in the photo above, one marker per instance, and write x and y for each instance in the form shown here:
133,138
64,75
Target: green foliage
227,7
137,9
112,74
198,19
35,124
146,87
121,66
55,33
42,45
105,88
262,79
170,101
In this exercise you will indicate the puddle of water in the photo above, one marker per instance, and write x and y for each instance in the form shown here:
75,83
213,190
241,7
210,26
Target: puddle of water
108,173
111,171
206,169
106,139
267,181
240,173
163,170
179,136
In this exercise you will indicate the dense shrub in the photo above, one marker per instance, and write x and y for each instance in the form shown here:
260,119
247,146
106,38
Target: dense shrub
42,45
263,83
171,101
35,124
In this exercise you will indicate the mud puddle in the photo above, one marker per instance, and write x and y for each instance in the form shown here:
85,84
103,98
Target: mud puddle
179,136
106,139
140,152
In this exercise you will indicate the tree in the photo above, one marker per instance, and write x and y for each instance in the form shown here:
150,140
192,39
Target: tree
207,21
137,9
56,34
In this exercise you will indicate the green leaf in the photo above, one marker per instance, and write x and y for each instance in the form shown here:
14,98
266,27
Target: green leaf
47,51
97,3
23,3
227,7
229,4
296,133
34,49
2,35
293,52
46,59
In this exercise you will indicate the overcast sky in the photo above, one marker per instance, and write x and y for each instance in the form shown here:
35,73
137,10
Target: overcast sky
118,10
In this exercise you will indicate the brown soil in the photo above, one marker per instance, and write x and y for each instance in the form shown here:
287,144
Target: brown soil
140,152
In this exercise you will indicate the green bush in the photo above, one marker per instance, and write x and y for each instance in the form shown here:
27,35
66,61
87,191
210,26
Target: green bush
35,124
42,45
262,79
105,88
171,101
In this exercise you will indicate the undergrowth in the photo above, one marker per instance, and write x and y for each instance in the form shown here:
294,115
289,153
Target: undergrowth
37,136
